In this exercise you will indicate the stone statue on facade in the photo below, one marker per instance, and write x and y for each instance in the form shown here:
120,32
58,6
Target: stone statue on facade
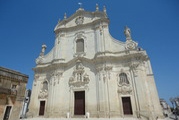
127,33
40,58
130,44
43,49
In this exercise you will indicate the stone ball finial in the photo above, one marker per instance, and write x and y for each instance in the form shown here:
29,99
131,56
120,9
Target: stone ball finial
65,16
97,7
104,9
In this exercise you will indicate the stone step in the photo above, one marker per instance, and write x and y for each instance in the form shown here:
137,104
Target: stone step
81,119
126,118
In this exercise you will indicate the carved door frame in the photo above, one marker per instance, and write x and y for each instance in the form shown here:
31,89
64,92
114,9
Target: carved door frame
121,105
72,99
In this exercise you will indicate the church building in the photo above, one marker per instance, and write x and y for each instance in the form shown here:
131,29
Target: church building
89,74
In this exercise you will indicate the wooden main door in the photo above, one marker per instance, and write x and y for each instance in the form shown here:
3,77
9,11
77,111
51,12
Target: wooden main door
42,108
7,113
127,108
79,103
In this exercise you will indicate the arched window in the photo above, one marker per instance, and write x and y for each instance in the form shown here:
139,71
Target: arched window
123,79
45,86
80,45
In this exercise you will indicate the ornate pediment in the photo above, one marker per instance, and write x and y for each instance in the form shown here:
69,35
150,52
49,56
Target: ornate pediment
79,77
80,17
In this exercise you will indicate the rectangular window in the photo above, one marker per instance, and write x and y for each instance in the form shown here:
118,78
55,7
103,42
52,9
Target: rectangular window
127,108
80,45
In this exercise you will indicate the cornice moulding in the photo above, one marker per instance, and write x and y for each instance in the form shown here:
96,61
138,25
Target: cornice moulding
99,57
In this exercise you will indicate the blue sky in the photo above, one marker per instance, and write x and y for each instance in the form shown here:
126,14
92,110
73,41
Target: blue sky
26,24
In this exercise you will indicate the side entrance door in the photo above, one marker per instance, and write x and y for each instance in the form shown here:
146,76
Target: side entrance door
127,108
42,108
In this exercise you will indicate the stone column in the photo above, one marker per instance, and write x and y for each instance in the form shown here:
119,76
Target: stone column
101,93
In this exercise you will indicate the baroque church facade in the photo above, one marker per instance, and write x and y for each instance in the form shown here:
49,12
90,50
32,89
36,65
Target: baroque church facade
90,74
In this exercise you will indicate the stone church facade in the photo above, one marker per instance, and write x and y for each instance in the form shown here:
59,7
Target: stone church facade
88,73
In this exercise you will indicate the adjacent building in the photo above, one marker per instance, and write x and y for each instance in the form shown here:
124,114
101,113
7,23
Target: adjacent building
165,107
88,73
12,91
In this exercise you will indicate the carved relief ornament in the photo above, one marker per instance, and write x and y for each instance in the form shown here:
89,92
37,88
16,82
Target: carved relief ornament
79,20
43,94
104,72
56,76
130,45
124,86
79,77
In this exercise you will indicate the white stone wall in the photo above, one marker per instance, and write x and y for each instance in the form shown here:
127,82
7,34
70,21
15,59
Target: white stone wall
103,60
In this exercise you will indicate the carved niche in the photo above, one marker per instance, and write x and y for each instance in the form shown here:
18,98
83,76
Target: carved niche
124,86
79,77
44,90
